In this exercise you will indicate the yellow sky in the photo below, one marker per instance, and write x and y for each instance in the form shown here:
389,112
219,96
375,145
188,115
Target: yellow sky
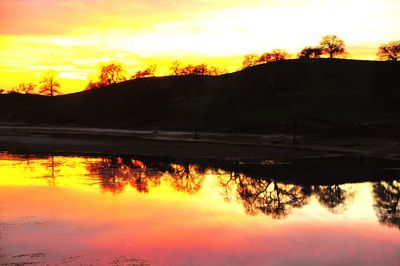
73,37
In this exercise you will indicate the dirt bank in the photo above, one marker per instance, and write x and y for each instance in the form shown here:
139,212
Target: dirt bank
94,141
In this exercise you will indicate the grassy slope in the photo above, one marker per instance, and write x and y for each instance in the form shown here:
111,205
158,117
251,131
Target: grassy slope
258,98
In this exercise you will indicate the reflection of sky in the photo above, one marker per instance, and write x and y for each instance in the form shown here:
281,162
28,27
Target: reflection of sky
72,216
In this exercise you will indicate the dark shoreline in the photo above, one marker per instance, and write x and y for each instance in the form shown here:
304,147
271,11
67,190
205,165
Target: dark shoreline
259,156
184,144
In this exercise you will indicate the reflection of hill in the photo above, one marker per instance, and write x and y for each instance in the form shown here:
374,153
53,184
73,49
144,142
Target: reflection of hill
319,170
260,97
387,202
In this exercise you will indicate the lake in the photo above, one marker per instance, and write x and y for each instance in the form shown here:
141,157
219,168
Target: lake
57,210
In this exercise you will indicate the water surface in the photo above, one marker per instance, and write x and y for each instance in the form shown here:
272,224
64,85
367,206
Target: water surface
124,211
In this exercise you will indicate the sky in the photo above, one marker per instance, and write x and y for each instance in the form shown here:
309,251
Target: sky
74,37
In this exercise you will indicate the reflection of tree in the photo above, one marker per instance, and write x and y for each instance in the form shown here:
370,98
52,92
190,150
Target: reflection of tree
266,195
333,197
270,197
386,205
228,183
187,178
116,173
52,167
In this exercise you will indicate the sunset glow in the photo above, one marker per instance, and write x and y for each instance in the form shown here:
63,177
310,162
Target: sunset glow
73,37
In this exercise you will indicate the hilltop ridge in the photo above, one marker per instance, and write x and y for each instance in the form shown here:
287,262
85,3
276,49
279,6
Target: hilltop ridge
259,98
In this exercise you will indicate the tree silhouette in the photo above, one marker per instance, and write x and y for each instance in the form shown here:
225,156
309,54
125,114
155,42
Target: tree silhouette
200,69
273,56
49,84
93,85
332,46
26,88
148,72
175,68
215,71
249,60
111,73
333,197
14,91
190,69
389,51
310,52
387,202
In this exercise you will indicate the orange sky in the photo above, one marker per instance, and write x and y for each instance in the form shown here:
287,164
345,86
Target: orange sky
73,37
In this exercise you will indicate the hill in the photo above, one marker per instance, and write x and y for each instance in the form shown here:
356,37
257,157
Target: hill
317,93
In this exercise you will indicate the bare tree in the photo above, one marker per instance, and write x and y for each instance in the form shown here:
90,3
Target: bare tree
49,85
389,51
332,46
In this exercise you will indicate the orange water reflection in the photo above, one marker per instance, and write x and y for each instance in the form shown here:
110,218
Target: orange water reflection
125,211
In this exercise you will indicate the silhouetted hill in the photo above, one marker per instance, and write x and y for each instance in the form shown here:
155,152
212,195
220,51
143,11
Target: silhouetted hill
317,92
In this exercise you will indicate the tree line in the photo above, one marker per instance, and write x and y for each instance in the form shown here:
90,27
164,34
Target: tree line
114,72
330,46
